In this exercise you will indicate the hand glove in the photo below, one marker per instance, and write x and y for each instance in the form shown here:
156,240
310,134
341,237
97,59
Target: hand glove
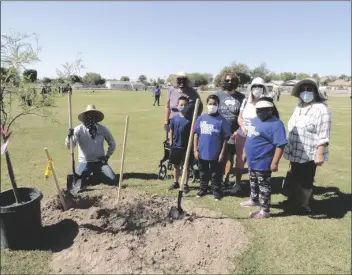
104,159
70,133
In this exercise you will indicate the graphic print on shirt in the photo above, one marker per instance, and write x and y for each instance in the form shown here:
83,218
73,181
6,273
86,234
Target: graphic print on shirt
251,130
207,129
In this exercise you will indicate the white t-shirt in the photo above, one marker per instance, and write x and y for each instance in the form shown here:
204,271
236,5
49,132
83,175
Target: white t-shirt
248,112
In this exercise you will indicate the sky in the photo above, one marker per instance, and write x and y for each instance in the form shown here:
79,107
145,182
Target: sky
159,38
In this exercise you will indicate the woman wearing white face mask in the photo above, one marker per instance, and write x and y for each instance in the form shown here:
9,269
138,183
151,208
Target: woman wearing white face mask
308,138
247,112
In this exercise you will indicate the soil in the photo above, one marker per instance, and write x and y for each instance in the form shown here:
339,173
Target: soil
137,236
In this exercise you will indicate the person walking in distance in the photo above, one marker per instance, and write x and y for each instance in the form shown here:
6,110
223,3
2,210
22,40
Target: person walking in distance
157,93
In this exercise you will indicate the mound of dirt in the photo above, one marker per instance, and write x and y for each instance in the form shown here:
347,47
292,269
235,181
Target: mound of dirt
136,237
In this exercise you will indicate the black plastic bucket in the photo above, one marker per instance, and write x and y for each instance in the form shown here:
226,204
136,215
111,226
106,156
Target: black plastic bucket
20,225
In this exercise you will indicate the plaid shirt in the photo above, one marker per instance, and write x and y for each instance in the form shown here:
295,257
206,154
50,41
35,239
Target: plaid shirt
308,128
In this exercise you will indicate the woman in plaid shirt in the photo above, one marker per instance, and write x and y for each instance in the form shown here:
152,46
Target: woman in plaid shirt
308,139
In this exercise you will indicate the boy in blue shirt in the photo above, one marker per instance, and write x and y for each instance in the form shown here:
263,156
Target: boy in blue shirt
180,128
212,132
265,142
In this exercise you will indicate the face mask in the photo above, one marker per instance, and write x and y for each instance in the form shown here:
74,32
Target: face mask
212,109
257,92
306,96
228,86
264,113
183,109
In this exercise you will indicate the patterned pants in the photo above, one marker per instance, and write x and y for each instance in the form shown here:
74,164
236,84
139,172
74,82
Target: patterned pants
261,188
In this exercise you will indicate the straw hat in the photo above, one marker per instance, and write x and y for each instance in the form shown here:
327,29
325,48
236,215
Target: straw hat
93,111
308,81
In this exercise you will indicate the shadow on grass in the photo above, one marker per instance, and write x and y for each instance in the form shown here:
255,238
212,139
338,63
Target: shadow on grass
141,176
332,204
276,188
55,237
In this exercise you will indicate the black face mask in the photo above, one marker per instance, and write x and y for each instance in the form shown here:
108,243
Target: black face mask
90,123
228,86
264,113
180,82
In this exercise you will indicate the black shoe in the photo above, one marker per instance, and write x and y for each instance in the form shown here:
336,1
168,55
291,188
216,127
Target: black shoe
186,188
174,186
217,195
201,193
227,184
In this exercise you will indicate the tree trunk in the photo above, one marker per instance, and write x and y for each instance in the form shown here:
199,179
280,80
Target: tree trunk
11,174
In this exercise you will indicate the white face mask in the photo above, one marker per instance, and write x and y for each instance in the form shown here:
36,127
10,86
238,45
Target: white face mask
257,92
212,109
307,96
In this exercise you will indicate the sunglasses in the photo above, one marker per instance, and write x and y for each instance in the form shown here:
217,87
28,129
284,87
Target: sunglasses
257,86
228,80
308,89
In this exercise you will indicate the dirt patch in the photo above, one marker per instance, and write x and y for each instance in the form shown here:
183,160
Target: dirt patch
136,237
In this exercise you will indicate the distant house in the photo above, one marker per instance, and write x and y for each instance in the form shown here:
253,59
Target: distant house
77,85
340,84
124,85
292,82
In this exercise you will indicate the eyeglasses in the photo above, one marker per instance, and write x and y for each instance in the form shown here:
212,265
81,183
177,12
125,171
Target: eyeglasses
308,89
228,80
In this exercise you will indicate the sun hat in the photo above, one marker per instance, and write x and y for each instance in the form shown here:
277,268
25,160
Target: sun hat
257,81
91,109
308,81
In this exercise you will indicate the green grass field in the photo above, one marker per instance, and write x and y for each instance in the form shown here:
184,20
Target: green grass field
279,245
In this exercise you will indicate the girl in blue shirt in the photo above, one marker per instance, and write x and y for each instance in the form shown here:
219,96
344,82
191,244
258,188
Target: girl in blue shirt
265,142
211,134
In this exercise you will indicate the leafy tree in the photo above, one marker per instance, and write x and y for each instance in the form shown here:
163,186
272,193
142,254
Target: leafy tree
17,52
74,79
302,76
124,78
93,79
46,80
160,81
262,72
142,78
242,71
30,75
286,76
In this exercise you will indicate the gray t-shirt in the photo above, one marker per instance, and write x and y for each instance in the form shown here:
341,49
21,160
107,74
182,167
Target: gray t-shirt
173,95
229,107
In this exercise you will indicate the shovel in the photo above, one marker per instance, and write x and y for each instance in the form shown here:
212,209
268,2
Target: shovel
178,213
74,182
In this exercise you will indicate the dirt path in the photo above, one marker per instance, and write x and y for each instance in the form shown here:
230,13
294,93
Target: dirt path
135,237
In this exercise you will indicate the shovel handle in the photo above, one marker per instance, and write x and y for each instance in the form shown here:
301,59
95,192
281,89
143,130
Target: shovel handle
189,145
123,157
70,126
55,179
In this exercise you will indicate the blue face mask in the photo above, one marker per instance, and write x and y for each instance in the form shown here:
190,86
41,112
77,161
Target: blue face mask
183,109
307,96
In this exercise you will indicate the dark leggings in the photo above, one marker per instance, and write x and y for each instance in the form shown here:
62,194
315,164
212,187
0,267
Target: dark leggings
304,173
157,99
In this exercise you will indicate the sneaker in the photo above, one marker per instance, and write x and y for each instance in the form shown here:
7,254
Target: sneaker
235,188
259,215
201,193
174,186
217,195
249,203
186,188
227,184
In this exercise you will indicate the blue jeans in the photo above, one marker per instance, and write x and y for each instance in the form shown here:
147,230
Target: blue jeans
97,173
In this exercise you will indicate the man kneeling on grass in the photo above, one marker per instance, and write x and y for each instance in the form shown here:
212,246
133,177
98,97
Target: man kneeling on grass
180,128
90,137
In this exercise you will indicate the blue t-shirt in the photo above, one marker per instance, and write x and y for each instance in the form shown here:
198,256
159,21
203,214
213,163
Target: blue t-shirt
181,128
157,91
263,137
212,130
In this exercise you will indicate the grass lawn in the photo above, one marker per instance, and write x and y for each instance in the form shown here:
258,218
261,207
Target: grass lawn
279,245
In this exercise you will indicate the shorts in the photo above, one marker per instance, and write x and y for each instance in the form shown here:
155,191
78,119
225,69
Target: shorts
177,156
231,149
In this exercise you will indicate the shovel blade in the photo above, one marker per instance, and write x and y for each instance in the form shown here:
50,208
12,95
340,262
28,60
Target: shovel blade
74,184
